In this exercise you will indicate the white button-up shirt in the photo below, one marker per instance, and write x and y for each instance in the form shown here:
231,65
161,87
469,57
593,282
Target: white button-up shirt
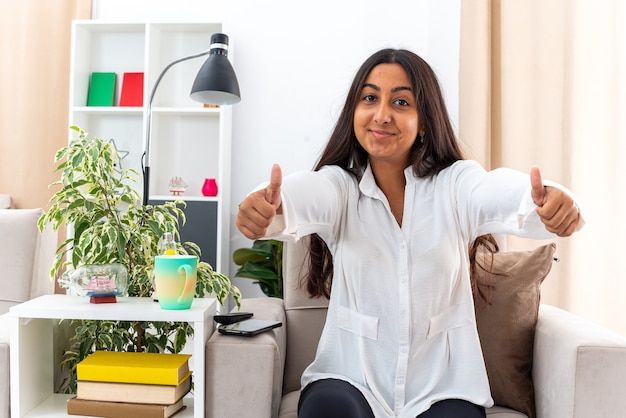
400,325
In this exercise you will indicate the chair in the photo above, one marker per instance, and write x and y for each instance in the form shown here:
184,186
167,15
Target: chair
26,256
578,366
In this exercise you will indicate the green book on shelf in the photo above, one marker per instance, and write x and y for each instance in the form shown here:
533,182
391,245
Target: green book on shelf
101,89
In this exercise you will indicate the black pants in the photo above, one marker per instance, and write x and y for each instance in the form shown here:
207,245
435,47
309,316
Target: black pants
333,398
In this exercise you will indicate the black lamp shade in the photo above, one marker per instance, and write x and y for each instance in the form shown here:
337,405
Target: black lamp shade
216,82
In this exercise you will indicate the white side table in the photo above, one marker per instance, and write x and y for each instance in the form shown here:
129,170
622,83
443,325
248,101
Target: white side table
32,360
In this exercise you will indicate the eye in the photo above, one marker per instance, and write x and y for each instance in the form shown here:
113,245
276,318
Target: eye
402,102
369,97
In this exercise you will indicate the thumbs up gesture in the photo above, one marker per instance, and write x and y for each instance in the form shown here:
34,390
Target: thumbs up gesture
555,208
257,210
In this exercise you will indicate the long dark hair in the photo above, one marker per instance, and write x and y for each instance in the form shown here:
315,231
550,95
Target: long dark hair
437,149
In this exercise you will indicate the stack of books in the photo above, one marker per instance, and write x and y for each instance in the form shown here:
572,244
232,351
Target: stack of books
139,385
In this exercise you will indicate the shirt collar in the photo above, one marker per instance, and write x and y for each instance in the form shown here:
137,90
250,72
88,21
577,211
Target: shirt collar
368,185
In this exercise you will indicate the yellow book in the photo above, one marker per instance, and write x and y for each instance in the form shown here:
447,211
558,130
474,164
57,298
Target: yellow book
129,367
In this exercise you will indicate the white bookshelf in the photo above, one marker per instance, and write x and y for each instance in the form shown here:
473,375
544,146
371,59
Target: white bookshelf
188,140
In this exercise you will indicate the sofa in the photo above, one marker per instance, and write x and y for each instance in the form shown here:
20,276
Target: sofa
26,256
577,370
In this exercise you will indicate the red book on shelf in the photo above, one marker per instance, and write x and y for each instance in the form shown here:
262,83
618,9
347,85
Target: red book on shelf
132,90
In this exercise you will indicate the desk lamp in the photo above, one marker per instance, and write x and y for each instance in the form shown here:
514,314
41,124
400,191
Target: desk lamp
216,83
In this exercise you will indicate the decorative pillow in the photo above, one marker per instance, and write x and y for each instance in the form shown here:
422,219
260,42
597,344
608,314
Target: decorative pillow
506,299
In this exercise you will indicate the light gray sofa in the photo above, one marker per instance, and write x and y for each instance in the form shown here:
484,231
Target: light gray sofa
578,371
26,256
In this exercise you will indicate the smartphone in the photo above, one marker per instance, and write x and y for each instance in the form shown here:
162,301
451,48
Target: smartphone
232,317
249,327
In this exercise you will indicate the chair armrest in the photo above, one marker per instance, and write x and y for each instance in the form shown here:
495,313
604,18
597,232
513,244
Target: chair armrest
244,375
578,367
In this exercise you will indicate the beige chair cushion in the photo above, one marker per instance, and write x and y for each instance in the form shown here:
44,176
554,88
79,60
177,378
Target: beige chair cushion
294,267
306,315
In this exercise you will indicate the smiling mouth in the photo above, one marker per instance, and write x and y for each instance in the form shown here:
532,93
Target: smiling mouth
378,134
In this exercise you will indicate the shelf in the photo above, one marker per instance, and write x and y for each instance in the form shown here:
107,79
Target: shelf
204,111
186,197
110,110
138,110
126,308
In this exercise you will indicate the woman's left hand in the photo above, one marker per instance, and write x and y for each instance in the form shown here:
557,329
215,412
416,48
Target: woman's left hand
556,208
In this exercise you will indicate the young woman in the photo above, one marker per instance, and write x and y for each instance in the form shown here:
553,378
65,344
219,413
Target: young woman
393,208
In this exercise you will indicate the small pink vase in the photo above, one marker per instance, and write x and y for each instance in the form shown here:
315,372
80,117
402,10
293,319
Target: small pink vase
209,188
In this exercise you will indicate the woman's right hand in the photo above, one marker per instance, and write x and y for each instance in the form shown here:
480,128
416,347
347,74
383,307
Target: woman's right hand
257,210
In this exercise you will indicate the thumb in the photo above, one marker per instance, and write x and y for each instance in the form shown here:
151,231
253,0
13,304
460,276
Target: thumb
538,191
272,192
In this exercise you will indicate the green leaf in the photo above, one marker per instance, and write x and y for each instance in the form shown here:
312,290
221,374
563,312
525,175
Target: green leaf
243,255
263,263
256,271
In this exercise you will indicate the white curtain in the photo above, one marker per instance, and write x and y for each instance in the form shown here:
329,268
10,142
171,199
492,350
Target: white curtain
543,82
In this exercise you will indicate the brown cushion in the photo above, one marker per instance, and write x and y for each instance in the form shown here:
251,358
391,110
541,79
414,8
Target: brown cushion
506,318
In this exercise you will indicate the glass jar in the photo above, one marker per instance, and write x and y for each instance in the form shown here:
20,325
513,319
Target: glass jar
96,280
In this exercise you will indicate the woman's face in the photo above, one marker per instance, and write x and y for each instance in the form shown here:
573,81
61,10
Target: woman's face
386,122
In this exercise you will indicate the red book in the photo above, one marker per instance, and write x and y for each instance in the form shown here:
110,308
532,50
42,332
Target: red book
132,90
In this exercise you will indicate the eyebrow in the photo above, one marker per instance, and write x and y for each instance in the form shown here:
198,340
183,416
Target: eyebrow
394,90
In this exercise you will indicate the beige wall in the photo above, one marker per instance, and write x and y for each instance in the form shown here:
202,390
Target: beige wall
34,87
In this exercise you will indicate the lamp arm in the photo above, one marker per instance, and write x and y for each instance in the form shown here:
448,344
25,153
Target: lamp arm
146,147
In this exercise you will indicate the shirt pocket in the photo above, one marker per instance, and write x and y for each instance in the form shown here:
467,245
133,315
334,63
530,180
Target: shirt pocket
454,317
365,326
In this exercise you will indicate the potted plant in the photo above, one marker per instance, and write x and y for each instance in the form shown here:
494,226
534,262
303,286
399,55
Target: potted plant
109,224
262,262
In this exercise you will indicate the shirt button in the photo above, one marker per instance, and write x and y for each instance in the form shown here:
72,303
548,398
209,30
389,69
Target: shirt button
403,278
403,350
400,381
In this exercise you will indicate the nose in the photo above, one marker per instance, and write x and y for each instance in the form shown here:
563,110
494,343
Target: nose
382,114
